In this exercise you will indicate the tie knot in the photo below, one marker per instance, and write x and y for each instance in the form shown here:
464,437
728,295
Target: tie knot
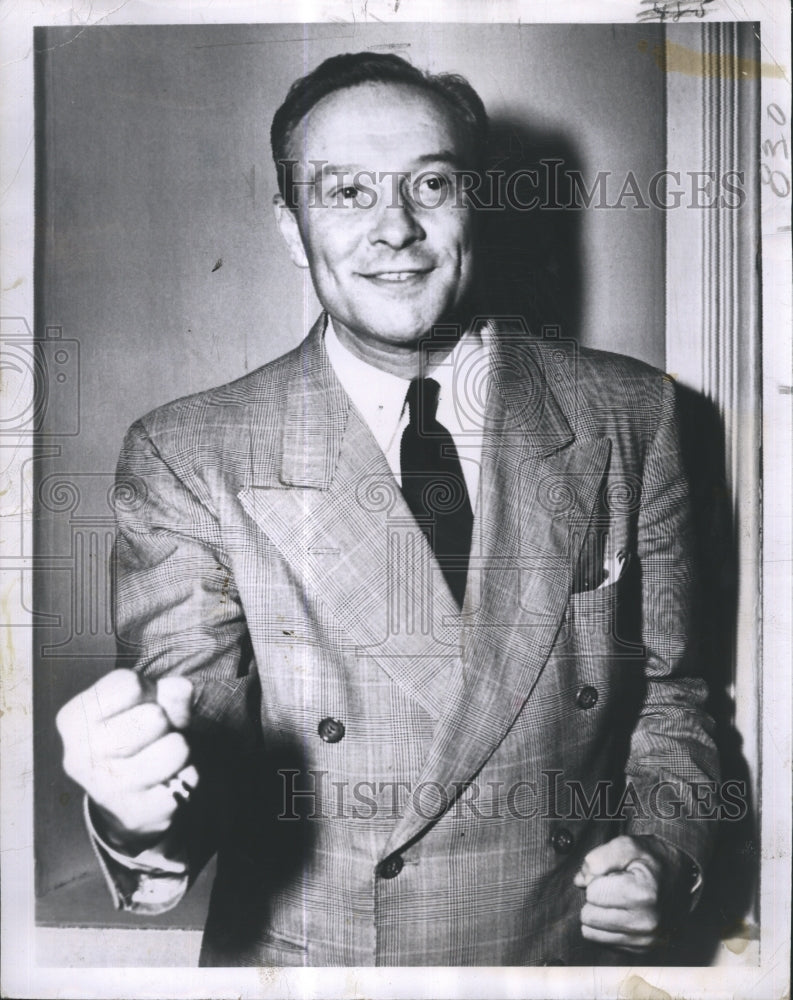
422,400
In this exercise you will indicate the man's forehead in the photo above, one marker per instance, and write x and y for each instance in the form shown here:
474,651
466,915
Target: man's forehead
377,120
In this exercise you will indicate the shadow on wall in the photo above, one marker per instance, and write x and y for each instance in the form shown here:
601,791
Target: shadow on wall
530,257
531,266
732,877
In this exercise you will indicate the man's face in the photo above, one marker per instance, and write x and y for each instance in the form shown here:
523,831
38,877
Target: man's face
381,227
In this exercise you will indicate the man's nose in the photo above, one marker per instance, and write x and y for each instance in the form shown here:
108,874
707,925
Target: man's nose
395,223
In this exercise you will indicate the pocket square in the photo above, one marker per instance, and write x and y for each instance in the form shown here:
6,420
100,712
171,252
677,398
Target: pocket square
613,568
599,565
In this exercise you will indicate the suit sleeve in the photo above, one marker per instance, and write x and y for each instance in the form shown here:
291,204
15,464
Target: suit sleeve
672,761
178,611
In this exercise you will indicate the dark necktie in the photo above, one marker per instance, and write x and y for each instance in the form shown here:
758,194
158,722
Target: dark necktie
434,486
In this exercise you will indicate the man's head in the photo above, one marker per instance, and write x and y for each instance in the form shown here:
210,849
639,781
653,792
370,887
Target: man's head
355,68
372,150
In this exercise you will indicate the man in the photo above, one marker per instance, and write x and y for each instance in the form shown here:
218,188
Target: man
414,596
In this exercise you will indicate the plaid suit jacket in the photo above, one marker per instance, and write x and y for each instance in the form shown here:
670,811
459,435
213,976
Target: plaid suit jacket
388,781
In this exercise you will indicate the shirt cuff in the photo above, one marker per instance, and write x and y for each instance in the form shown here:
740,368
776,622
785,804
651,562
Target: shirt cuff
151,882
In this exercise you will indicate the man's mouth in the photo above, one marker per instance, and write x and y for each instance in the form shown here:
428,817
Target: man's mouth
398,277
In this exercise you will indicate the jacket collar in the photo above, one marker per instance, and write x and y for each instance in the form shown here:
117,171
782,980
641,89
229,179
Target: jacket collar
315,416
316,408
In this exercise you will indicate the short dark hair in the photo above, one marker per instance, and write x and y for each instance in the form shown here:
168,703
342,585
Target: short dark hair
352,69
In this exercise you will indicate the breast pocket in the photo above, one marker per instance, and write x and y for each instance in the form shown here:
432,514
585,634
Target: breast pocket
606,623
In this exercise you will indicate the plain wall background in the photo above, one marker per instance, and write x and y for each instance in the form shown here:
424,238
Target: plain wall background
154,165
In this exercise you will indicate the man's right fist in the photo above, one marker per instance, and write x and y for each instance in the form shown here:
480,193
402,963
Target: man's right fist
123,745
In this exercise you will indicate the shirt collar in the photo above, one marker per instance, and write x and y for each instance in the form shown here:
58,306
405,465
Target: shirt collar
364,383
380,396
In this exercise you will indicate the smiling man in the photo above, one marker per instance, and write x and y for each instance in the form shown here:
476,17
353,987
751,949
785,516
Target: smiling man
414,596
388,241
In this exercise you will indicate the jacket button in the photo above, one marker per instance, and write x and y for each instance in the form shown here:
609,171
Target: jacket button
562,841
391,867
331,730
587,697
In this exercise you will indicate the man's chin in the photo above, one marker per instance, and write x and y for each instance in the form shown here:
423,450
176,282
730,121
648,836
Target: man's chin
409,327
396,329
405,332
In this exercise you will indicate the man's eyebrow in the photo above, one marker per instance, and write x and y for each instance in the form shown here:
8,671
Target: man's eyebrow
442,156
342,169
351,169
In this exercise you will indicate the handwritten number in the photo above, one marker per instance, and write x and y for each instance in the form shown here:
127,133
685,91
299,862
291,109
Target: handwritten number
777,180
674,10
781,188
770,147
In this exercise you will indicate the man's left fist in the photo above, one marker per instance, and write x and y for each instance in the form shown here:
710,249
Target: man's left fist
627,880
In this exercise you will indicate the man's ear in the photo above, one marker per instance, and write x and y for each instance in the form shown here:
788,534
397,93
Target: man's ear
286,220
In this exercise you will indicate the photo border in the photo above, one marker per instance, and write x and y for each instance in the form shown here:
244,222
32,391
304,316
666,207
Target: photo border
21,976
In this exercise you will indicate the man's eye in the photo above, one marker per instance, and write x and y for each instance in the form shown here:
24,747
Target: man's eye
430,186
348,193
435,182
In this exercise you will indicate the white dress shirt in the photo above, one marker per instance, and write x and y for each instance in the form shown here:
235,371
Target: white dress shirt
379,397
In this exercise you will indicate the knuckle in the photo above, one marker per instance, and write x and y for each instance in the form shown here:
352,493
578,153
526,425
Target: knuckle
127,680
152,717
646,893
644,923
130,684
176,686
652,924
182,754
124,684
594,891
178,743
172,751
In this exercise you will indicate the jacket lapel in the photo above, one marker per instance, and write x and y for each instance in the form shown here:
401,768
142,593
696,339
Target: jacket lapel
538,489
335,512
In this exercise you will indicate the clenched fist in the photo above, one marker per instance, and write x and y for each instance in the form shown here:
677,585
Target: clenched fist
122,741
633,886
